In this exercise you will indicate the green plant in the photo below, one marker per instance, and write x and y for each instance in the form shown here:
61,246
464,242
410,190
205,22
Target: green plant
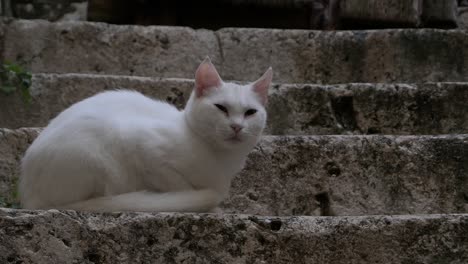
12,198
12,78
6,203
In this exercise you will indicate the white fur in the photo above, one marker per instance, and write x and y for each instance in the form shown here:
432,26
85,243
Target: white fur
122,151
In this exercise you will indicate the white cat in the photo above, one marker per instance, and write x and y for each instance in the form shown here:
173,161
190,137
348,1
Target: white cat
122,151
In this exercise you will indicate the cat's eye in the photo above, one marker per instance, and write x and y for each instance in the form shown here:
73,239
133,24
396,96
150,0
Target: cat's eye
222,108
250,112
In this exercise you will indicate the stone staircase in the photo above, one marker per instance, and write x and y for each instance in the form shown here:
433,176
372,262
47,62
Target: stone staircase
365,158
298,56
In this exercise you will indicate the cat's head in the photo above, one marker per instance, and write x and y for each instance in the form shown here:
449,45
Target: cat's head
227,114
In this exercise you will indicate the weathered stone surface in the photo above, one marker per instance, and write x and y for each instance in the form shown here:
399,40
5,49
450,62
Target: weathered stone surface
99,48
12,146
53,93
402,12
294,109
297,56
321,175
360,174
346,56
70,237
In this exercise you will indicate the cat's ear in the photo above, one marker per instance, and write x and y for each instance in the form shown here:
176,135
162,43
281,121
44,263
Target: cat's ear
206,77
261,85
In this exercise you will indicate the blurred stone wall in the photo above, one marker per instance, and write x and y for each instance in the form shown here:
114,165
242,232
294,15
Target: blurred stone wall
463,14
215,14
52,10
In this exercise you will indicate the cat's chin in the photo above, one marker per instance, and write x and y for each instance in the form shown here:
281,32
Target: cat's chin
233,142
234,139
241,142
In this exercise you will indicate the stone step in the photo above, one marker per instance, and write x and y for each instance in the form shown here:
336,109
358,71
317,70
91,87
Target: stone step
70,237
294,109
325,175
297,56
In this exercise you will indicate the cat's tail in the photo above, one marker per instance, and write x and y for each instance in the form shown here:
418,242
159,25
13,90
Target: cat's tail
145,201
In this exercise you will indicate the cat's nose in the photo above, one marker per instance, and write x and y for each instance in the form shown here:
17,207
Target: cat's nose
236,128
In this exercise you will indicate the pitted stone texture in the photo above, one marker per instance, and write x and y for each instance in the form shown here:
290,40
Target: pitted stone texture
100,48
297,56
361,174
405,12
321,175
345,56
53,93
70,237
13,143
429,108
